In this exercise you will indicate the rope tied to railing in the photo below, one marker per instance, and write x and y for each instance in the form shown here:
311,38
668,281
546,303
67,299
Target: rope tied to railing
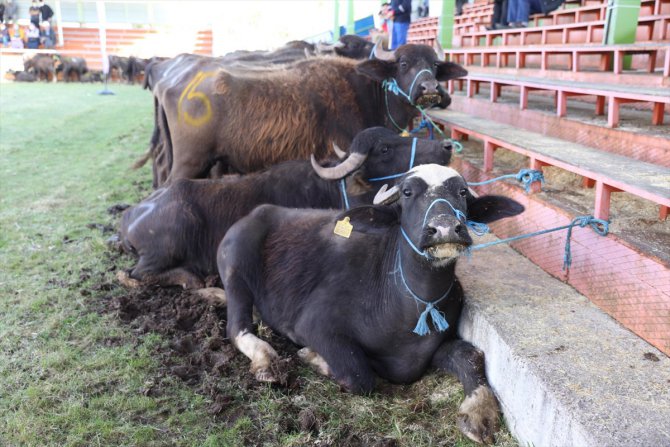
601,227
525,176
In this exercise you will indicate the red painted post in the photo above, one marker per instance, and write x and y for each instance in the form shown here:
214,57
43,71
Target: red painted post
652,61
600,105
489,149
575,61
613,111
494,92
663,212
666,63
523,98
657,116
602,205
562,104
545,60
537,165
588,182
618,61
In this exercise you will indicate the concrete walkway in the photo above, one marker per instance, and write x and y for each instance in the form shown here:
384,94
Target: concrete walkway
566,374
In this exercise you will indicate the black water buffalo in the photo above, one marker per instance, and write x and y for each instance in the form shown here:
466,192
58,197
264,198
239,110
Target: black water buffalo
248,120
93,76
118,65
71,67
20,76
349,45
368,292
42,66
176,231
135,69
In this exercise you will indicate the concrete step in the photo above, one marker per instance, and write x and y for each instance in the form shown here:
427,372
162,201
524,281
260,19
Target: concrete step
566,374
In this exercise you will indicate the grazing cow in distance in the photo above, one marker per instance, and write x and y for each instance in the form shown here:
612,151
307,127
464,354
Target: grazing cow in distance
20,76
248,120
41,65
367,292
71,67
175,232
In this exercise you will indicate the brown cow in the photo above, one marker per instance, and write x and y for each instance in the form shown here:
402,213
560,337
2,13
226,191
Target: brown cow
247,120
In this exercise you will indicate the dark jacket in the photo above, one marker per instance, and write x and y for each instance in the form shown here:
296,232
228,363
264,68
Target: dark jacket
402,10
549,5
46,11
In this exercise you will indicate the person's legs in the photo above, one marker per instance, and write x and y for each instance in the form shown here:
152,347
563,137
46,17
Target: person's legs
399,34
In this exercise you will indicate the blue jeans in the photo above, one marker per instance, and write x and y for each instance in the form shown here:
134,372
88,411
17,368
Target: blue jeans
399,34
520,10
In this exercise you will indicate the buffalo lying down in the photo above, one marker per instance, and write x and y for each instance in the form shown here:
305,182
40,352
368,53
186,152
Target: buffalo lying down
176,231
350,286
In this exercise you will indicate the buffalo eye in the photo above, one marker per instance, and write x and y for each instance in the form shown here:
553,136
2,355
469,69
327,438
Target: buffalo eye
385,150
407,192
462,192
403,65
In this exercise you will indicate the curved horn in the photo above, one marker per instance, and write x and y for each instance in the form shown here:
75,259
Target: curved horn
438,49
353,162
384,55
385,197
339,152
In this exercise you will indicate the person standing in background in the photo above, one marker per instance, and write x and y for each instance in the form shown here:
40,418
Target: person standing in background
402,12
34,12
11,12
46,11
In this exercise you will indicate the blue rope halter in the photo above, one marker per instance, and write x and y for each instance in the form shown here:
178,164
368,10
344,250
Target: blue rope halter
345,199
411,165
439,321
478,228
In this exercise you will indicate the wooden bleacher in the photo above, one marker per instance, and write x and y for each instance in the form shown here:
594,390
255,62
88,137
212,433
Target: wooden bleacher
554,94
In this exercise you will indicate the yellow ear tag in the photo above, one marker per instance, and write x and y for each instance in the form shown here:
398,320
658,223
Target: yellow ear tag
404,133
343,228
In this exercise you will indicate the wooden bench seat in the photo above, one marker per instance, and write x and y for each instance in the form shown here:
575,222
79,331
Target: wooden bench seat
501,55
610,172
614,94
571,33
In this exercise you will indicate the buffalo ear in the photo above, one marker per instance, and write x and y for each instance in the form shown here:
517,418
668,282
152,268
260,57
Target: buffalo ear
371,218
376,69
449,70
487,209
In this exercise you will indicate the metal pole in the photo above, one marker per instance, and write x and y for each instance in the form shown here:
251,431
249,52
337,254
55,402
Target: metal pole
59,20
336,28
103,45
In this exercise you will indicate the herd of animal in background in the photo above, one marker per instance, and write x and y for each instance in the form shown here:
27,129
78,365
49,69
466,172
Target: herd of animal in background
55,67
366,284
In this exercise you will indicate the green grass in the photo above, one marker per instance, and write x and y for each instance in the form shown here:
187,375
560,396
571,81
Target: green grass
72,375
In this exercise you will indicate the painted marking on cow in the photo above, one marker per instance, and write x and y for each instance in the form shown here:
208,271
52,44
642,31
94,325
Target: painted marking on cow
146,208
191,94
433,174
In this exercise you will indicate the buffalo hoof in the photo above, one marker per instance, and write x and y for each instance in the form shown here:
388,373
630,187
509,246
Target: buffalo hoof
314,360
265,375
478,416
212,295
124,278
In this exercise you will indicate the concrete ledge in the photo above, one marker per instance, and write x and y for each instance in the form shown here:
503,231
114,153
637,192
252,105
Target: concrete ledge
565,372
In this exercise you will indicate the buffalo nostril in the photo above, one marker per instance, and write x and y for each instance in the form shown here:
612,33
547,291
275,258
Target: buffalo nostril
431,231
458,229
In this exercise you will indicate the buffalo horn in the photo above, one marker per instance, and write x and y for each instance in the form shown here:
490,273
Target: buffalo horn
384,55
438,49
339,152
384,197
353,162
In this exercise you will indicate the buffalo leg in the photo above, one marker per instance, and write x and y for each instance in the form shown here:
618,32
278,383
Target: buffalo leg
478,415
173,277
240,330
346,362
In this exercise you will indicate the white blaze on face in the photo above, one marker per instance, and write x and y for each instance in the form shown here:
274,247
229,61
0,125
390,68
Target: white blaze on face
432,174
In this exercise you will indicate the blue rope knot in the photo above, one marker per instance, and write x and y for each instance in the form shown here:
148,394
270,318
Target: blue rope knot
528,176
600,226
439,321
391,85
